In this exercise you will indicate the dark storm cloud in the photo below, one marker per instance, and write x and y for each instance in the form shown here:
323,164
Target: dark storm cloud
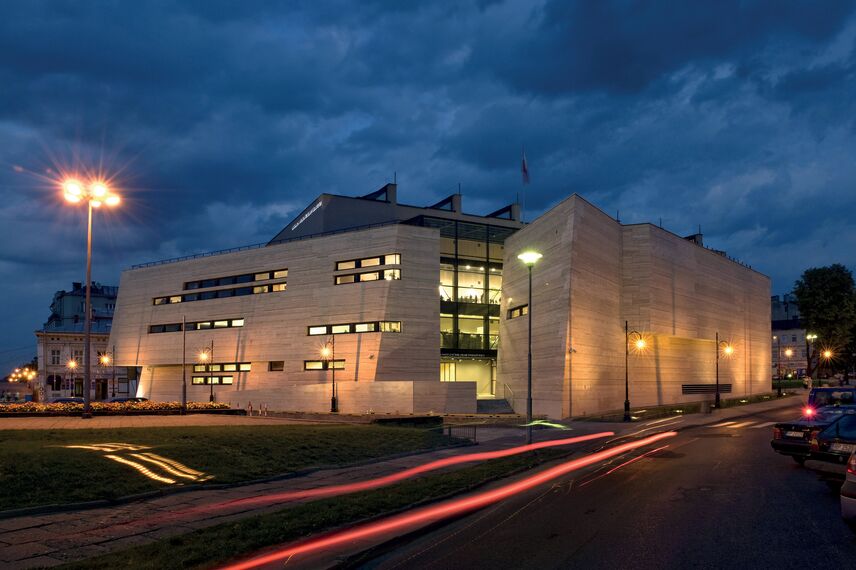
225,118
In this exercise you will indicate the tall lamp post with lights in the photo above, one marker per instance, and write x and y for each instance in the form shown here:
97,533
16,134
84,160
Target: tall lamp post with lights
638,341
107,360
71,366
778,365
94,194
809,341
722,347
206,356
328,353
529,258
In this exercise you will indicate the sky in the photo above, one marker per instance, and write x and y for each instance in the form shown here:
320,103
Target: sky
218,121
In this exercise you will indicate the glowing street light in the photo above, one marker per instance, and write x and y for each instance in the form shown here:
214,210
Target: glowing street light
328,354
639,344
206,356
827,354
725,348
95,193
529,258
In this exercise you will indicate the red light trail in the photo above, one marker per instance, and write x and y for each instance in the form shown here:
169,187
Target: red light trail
444,510
343,489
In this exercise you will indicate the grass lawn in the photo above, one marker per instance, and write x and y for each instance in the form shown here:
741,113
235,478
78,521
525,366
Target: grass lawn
36,467
211,546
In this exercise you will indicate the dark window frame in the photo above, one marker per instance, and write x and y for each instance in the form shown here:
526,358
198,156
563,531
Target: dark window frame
358,262
518,311
325,365
232,279
380,273
352,328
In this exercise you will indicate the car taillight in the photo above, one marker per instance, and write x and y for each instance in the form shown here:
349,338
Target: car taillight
777,433
851,464
808,411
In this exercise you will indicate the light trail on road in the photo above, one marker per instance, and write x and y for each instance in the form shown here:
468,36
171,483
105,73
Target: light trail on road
444,510
369,484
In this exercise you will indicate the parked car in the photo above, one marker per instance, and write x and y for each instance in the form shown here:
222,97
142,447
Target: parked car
71,400
132,399
835,444
794,438
848,492
841,396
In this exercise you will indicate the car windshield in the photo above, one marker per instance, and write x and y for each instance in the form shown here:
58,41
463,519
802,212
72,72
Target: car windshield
833,398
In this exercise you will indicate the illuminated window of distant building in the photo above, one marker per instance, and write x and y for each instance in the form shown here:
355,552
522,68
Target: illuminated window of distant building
323,364
276,366
518,311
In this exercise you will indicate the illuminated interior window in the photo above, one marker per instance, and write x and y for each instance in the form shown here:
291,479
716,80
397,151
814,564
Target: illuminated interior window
323,364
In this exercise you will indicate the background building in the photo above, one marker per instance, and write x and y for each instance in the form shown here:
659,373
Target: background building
789,348
60,345
419,310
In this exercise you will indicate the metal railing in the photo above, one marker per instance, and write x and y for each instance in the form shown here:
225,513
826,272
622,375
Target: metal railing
506,390
462,431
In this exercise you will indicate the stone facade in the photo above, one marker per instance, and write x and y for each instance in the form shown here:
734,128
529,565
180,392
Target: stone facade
383,371
596,274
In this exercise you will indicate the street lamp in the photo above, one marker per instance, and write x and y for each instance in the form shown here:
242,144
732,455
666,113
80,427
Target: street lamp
71,365
728,350
809,340
94,194
328,354
639,344
206,357
778,365
107,360
529,258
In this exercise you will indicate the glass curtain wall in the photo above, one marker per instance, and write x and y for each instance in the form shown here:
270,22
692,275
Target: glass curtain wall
470,287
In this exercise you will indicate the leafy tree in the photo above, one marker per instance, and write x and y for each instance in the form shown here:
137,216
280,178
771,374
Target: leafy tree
827,302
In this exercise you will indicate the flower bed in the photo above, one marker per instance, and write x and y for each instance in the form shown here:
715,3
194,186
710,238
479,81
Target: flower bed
110,408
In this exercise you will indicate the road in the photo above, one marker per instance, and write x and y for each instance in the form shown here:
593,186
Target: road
717,497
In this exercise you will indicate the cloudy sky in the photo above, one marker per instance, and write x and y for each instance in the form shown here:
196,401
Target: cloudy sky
219,120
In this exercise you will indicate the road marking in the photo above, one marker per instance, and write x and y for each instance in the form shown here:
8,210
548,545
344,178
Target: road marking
763,425
741,425
723,424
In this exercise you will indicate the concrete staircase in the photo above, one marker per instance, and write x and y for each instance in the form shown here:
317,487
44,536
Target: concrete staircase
497,406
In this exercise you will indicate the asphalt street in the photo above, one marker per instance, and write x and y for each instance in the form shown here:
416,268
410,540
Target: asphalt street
716,497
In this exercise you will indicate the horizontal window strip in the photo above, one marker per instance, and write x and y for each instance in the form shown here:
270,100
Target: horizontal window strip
223,367
197,326
234,279
352,328
323,364
207,380
384,274
376,260
221,293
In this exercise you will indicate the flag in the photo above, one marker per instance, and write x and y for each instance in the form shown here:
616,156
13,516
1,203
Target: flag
524,169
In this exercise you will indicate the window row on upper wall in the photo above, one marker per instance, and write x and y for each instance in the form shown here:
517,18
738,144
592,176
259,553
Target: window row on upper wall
197,326
518,311
372,326
385,274
221,294
388,259
234,279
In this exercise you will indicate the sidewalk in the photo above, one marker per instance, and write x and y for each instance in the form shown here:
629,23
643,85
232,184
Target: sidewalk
52,539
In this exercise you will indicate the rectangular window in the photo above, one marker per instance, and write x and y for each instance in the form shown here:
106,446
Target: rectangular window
230,368
221,324
244,366
390,274
261,276
280,274
518,311
261,289
389,259
323,364
236,323
344,279
175,299
55,357
278,287
224,367
373,276
171,327
276,366
390,326
161,300
368,327
206,380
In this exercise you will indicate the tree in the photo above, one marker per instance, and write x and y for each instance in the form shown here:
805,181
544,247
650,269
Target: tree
827,302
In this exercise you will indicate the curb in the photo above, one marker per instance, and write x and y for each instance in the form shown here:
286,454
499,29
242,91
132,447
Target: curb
167,491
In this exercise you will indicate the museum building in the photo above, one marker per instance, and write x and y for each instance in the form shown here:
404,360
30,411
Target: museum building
405,309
